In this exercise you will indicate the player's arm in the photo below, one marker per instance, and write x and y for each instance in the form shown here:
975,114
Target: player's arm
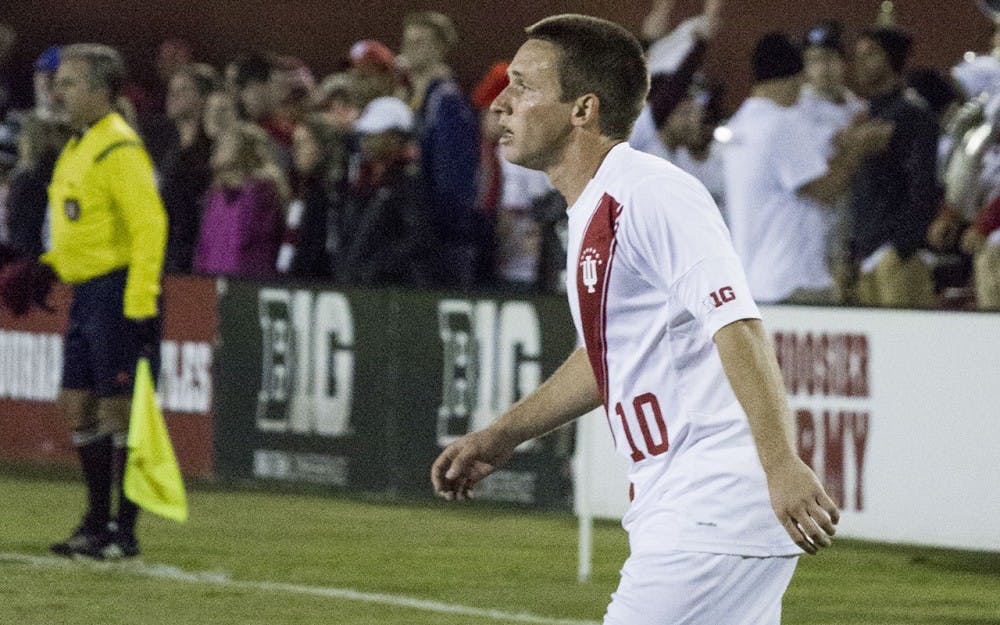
570,392
803,507
133,188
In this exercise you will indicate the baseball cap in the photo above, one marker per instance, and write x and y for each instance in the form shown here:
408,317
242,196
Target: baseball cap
48,61
490,85
775,56
384,114
373,55
827,34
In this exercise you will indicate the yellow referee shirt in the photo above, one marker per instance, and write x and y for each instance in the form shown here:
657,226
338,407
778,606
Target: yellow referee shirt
106,214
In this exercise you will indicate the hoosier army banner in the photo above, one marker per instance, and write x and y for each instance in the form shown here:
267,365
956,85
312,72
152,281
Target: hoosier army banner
361,389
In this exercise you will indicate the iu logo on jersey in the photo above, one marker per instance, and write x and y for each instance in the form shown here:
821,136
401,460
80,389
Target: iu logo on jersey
590,261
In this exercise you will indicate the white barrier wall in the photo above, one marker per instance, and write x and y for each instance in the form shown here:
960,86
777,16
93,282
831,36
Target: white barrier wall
897,411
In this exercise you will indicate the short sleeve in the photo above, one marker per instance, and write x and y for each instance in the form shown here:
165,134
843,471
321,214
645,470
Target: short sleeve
673,234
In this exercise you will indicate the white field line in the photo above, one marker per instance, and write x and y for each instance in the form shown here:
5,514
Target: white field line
164,571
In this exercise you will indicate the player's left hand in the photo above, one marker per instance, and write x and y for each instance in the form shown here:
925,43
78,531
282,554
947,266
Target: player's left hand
805,510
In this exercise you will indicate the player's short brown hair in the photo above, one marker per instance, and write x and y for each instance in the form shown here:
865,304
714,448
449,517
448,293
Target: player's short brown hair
599,57
107,69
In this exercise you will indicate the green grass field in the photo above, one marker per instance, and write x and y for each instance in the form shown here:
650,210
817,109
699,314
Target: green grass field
293,559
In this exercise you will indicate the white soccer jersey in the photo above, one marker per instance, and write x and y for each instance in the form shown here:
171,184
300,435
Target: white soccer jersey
651,276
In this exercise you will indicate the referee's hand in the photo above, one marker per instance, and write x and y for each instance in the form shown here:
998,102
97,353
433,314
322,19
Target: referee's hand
25,284
147,333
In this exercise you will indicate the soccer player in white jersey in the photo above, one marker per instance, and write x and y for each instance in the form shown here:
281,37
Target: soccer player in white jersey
675,350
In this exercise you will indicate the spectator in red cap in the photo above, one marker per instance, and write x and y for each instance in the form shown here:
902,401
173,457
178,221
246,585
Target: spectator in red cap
490,177
447,132
373,68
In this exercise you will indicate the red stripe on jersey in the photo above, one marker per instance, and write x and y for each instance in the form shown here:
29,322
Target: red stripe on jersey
597,251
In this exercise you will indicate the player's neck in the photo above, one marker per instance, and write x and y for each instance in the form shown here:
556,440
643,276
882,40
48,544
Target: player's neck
579,164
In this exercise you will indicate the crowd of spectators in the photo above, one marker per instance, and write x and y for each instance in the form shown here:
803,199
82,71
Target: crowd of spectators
846,176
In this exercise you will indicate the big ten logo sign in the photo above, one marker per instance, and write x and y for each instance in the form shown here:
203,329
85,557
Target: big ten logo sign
307,362
827,375
185,383
492,358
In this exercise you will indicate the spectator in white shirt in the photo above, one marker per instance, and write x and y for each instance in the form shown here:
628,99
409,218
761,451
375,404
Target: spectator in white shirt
779,175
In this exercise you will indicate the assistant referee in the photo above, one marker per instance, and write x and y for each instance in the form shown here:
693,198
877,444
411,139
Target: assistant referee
109,232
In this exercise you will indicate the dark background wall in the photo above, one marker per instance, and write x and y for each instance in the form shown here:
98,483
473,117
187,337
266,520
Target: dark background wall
320,32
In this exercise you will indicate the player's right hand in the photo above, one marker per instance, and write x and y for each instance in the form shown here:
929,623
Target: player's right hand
467,461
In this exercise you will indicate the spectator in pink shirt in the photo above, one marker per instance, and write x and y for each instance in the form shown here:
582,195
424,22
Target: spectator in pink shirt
243,224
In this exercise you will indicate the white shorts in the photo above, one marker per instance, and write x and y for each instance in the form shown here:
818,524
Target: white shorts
692,588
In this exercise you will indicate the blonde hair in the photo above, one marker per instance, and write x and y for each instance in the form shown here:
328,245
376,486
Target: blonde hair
255,156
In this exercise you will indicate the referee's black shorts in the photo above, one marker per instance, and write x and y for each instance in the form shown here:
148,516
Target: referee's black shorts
102,347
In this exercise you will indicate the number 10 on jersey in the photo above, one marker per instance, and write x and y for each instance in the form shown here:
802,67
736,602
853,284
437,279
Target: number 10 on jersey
646,411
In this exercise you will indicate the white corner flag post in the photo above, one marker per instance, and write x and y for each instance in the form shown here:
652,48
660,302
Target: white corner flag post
582,464
582,486
600,483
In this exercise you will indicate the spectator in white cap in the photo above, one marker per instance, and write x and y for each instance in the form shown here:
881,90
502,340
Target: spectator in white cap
384,114
382,233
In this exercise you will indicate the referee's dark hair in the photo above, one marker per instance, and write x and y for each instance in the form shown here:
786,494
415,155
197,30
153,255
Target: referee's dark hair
599,57
107,69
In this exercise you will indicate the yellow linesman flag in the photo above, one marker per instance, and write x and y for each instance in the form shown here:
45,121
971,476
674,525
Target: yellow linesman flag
152,475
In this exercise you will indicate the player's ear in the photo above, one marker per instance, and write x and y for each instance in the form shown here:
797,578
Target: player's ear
586,109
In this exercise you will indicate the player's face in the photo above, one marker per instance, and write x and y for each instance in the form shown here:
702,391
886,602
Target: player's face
75,95
534,123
